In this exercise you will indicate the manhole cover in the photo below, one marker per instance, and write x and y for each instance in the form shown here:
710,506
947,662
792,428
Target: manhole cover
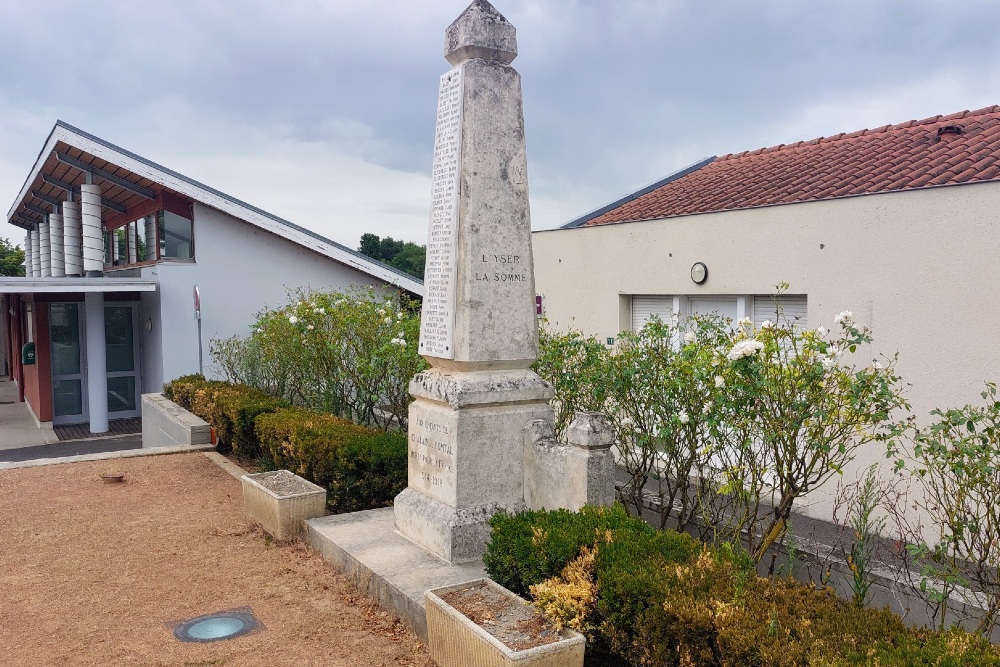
218,626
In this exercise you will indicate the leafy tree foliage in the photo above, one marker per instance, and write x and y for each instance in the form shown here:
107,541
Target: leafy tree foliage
11,259
403,255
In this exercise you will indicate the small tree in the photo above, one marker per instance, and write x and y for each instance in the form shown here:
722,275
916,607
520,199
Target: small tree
802,413
403,255
957,461
11,259
575,365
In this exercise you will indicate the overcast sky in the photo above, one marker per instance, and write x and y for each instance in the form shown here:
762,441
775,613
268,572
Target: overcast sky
322,112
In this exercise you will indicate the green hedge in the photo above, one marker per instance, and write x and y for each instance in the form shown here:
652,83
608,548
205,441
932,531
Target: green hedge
361,468
532,546
368,472
230,408
234,416
649,598
306,442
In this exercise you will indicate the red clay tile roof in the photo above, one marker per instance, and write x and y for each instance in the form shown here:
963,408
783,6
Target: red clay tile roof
943,150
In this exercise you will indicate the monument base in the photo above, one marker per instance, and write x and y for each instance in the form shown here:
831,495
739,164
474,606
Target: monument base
466,455
456,535
390,568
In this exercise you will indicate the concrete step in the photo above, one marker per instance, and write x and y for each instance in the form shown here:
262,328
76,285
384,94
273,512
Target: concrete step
390,568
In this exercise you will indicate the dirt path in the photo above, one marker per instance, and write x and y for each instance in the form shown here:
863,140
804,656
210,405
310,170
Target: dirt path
99,574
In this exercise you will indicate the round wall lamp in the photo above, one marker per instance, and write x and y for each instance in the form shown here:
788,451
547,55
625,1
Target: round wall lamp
148,324
699,273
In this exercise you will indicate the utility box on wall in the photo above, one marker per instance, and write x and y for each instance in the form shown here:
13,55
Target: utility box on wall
28,354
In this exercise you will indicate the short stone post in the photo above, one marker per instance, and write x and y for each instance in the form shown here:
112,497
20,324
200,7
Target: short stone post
573,474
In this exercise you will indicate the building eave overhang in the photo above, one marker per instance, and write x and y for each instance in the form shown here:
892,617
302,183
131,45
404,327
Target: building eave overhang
208,196
74,285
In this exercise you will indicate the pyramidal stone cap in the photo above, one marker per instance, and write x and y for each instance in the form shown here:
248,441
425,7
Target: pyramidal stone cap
480,32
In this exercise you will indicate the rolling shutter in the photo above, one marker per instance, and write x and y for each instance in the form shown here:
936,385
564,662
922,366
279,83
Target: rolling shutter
644,307
783,308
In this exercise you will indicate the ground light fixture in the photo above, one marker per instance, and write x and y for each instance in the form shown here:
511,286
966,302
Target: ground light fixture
218,626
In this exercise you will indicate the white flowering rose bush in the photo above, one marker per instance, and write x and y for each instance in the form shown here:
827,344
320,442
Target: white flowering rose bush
348,353
660,398
956,462
727,425
574,364
795,411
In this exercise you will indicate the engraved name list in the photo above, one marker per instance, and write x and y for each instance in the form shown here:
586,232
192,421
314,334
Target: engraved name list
437,323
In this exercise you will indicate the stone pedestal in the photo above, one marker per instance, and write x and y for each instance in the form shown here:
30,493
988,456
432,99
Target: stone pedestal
466,457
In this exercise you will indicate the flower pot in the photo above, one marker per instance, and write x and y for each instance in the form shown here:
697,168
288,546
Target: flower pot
280,501
455,640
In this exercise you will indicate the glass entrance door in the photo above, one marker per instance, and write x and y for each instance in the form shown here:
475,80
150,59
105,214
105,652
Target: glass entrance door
123,360
69,390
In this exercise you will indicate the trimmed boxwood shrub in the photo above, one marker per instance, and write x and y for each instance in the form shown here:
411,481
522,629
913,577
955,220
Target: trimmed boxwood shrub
362,468
230,408
181,390
304,441
650,598
368,472
531,546
234,415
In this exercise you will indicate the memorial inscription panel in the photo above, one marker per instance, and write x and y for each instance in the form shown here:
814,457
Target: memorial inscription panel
432,454
437,322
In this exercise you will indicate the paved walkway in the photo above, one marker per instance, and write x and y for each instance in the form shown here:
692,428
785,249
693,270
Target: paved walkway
22,440
17,427
71,448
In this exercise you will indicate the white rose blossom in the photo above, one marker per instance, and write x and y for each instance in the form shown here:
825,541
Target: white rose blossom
744,322
745,348
293,319
821,331
766,324
843,317
388,320
310,327
689,337
720,382
682,416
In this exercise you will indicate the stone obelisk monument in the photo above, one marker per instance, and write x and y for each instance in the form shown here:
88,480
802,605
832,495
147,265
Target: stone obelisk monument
478,329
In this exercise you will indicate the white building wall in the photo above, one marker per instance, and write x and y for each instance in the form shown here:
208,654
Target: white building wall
918,268
239,270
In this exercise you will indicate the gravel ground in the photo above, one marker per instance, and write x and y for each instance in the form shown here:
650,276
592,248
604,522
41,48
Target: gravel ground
99,574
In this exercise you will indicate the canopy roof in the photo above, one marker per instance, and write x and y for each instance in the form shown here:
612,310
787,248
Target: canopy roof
128,180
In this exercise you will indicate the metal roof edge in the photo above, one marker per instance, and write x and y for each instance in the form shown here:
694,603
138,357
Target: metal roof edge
582,220
33,172
367,264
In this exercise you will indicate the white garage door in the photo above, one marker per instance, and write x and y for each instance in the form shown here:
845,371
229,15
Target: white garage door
644,307
783,308
721,305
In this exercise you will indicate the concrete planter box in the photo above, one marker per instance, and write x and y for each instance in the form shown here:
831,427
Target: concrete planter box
456,641
280,501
